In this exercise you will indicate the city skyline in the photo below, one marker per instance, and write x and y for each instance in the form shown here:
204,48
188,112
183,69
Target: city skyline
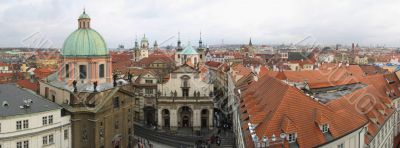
233,22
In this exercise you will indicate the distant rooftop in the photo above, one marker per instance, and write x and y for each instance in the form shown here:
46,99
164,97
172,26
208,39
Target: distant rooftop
12,99
337,92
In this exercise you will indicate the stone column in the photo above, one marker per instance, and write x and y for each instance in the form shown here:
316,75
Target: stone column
73,72
173,119
61,70
89,73
160,120
96,71
196,118
210,118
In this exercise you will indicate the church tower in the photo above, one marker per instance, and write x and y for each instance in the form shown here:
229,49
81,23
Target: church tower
202,51
142,51
178,45
155,47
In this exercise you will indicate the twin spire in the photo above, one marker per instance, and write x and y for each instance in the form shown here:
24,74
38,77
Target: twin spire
179,41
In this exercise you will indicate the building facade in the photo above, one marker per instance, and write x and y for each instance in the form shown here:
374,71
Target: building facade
30,121
185,101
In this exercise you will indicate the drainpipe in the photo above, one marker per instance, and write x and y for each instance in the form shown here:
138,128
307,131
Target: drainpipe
359,137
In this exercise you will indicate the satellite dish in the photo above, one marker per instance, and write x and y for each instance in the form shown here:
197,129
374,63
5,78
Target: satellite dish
283,135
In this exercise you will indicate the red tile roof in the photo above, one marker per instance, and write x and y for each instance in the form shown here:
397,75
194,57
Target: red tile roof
274,107
28,85
367,102
324,78
213,64
42,73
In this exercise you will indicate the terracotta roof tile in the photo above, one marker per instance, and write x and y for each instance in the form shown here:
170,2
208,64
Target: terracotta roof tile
281,102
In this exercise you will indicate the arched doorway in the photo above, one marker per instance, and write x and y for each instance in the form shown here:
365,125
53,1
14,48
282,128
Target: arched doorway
166,117
116,142
204,118
185,116
149,115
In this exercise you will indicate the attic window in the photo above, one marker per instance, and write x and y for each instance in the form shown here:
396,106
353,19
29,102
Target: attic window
291,137
325,128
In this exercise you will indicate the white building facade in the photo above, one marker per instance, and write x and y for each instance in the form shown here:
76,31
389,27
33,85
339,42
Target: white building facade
31,121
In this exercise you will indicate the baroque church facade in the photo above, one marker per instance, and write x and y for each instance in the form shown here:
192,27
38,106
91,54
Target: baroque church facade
185,101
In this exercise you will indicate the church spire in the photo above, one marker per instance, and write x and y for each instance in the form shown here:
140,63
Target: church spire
136,43
200,42
250,44
179,41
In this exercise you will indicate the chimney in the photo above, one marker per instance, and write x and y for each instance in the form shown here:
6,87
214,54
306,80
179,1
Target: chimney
255,77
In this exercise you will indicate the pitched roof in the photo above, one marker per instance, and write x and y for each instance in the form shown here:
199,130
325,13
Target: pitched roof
15,97
34,86
367,102
298,56
274,107
324,78
188,50
185,69
213,64
42,73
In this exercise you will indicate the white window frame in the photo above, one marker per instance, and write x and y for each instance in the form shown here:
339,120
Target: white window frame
44,140
19,144
18,125
325,128
25,124
50,118
341,145
44,120
291,137
51,139
26,144
66,134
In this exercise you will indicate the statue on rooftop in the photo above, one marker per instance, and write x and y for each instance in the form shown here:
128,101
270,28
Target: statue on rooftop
74,84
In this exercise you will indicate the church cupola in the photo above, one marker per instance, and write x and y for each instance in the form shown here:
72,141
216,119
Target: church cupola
144,43
84,21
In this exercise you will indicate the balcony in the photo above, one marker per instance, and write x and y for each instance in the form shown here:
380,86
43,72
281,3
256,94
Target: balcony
185,85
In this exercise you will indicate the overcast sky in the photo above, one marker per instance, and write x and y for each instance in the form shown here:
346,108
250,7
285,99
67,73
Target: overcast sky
229,21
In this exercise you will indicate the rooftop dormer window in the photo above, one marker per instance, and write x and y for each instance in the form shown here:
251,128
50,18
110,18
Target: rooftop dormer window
291,137
325,128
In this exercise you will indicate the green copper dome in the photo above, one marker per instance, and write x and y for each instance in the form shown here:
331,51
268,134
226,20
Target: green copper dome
84,42
84,15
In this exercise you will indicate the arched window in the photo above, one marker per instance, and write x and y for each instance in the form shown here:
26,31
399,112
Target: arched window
82,71
67,70
101,70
